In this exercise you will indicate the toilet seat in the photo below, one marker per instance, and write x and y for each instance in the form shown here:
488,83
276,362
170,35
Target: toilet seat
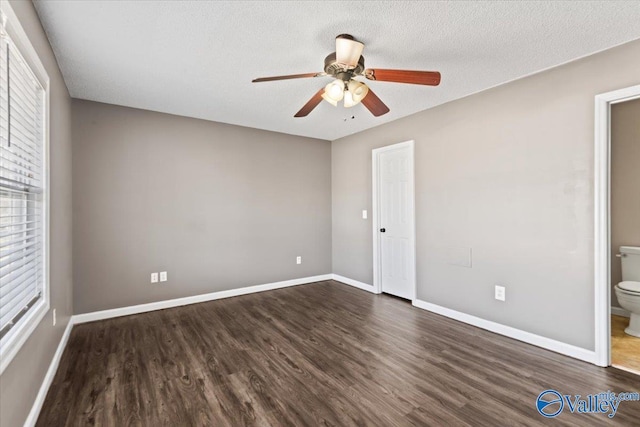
630,287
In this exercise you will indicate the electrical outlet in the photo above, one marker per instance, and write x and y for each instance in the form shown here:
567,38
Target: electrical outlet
163,276
298,260
55,320
154,277
500,293
364,214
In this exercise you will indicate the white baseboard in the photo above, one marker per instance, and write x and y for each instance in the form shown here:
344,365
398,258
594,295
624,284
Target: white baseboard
354,283
619,311
32,418
528,337
160,305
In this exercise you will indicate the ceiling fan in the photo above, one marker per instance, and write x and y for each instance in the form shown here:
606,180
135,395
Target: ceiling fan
344,65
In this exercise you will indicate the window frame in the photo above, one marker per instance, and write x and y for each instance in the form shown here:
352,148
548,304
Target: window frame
19,334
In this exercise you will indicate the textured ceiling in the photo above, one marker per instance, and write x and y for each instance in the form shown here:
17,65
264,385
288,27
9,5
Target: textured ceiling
197,58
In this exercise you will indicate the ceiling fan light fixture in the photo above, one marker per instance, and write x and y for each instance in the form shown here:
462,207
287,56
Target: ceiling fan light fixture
358,90
348,99
348,50
334,92
329,100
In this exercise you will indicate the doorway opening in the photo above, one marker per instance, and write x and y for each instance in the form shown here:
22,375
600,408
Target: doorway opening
617,253
625,235
394,243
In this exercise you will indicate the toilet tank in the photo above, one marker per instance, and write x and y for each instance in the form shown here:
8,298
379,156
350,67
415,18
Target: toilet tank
630,263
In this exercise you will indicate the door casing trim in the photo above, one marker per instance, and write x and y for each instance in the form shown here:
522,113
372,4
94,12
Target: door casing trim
602,218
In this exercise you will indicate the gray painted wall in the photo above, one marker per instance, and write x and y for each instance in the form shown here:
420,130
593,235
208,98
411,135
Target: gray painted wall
507,172
21,380
625,184
216,206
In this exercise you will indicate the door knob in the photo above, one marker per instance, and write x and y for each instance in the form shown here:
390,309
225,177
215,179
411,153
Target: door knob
382,230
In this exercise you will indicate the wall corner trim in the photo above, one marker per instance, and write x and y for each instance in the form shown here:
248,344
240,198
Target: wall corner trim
508,331
161,305
32,418
356,284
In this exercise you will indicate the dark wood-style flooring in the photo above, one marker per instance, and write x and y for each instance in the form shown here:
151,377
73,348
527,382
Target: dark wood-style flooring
318,354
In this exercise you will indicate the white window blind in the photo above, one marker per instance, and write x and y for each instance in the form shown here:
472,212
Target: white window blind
22,181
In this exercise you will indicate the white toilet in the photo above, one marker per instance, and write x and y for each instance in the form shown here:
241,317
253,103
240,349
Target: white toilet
628,291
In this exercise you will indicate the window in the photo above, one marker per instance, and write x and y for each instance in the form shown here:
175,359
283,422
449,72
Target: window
23,197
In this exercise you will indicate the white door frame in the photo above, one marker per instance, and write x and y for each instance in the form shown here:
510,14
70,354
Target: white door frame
377,266
602,240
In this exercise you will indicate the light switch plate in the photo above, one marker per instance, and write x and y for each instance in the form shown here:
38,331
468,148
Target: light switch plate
364,214
163,276
154,277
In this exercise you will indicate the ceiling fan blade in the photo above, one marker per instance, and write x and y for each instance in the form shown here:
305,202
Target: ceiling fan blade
290,76
374,104
429,78
311,104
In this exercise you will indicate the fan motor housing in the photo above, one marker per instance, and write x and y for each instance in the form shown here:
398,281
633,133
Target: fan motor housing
333,68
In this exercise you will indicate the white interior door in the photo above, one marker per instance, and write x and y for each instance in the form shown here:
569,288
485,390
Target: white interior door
395,220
